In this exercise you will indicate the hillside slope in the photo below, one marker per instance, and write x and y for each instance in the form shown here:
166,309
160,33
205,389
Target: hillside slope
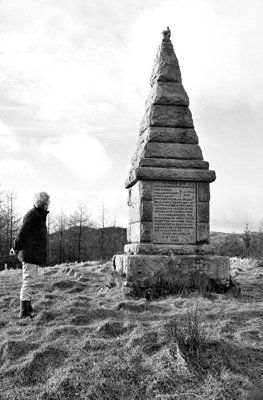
95,244
88,342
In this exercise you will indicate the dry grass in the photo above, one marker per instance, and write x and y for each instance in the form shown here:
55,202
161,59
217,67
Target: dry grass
88,342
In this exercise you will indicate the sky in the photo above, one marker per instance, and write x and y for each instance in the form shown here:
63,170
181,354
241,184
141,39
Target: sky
74,78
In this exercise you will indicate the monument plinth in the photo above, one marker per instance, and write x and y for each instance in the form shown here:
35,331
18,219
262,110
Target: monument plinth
168,189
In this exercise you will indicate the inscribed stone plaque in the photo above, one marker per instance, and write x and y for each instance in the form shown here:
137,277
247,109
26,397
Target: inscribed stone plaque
174,212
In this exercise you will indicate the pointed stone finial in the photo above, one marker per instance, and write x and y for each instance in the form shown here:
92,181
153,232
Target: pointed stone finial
166,34
166,67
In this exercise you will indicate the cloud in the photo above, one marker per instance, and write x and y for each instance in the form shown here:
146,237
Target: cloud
58,69
82,154
77,92
8,140
13,168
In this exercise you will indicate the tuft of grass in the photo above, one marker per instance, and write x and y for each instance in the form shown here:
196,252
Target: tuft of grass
111,328
191,337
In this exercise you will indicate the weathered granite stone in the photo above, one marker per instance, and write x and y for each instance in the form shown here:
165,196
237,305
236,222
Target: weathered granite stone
141,211
177,151
167,93
203,232
139,232
129,203
203,191
172,163
173,150
203,212
168,249
183,270
166,134
134,194
133,232
173,116
134,213
171,174
146,232
142,190
146,189
146,211
166,67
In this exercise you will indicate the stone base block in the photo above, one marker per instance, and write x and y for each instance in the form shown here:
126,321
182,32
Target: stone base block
168,249
177,271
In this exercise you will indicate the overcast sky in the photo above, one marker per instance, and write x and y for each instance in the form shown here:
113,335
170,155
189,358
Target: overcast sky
74,78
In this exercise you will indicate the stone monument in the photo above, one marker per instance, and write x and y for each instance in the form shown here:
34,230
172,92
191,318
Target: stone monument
168,190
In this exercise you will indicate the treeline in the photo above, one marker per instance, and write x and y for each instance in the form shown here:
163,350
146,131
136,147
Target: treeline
243,245
74,237
77,238
9,225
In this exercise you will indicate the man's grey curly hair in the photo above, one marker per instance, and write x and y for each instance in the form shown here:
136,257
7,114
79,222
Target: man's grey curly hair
41,199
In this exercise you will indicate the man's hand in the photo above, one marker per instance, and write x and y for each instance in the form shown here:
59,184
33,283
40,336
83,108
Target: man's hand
12,252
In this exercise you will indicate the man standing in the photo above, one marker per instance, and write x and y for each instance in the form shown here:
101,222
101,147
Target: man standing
31,247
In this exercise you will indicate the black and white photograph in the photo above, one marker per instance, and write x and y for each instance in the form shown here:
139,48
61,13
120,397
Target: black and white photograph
131,200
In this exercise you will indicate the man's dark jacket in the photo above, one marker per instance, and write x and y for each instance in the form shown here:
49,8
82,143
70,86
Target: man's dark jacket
31,240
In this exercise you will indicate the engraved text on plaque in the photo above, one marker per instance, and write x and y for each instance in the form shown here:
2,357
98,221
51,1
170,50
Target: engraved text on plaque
174,212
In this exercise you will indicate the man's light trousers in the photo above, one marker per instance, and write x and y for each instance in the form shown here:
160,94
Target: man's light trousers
29,277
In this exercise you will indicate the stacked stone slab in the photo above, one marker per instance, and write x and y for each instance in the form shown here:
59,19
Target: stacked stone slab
168,186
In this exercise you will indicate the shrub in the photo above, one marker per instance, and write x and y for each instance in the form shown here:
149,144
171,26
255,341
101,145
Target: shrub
191,336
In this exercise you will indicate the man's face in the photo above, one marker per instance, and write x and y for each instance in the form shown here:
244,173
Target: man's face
46,204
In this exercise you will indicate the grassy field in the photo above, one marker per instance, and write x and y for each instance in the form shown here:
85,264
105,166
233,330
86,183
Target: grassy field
88,342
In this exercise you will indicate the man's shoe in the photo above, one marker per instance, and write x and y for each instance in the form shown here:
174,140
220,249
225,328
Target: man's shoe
30,308
24,309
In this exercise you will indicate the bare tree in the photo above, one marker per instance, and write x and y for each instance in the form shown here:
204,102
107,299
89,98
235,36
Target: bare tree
2,224
102,220
247,238
50,229
69,241
61,224
80,218
12,220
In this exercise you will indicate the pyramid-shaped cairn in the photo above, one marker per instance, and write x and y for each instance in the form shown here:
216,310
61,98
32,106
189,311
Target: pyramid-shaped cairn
167,138
169,188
